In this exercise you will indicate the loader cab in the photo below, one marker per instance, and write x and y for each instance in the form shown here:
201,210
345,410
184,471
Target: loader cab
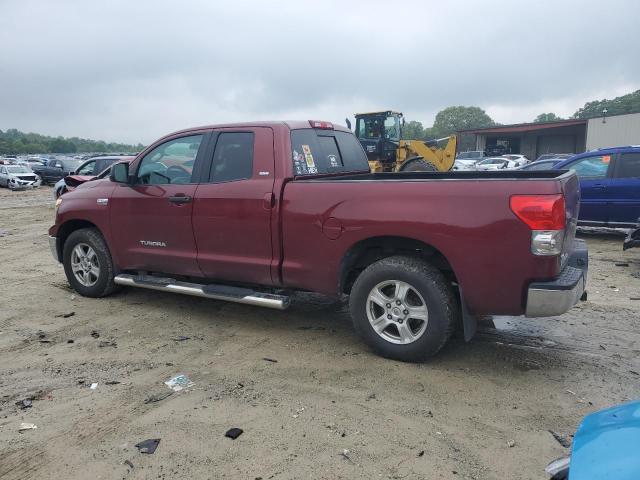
379,133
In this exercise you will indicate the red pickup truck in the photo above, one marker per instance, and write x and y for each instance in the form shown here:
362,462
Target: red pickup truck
252,212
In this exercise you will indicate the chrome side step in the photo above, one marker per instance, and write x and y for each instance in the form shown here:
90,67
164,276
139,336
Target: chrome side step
215,292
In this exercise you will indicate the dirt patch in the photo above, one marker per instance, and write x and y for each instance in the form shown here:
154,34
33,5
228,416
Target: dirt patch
481,410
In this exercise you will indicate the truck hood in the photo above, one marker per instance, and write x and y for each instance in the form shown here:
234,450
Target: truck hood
606,445
75,180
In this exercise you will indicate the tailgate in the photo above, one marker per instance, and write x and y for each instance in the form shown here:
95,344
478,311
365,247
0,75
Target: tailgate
571,190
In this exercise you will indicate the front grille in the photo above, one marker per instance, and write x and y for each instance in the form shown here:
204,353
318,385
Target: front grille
27,178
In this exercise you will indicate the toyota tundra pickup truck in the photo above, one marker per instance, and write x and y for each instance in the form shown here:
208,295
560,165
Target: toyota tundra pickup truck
253,212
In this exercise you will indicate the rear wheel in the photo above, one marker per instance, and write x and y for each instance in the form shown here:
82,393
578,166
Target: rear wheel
418,165
88,264
403,308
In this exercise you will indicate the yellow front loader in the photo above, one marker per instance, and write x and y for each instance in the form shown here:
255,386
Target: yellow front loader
380,134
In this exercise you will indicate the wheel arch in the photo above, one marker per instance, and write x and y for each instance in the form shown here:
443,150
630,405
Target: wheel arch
365,252
67,228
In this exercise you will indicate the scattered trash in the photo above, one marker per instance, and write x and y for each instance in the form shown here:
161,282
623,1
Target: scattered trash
70,341
298,412
105,343
95,334
421,453
112,382
636,274
181,339
66,315
602,347
26,426
41,334
622,264
93,386
346,455
267,359
371,397
24,404
129,464
634,372
45,341
511,444
634,298
157,397
233,433
169,364
179,382
561,439
148,446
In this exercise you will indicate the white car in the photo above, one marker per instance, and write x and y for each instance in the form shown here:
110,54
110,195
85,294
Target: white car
521,159
496,163
18,177
464,164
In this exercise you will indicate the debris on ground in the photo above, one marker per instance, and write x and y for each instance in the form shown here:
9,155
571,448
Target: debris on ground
371,397
105,343
421,453
272,360
346,455
66,315
129,464
112,382
233,433
157,397
25,403
148,446
93,386
298,412
622,264
561,439
95,334
511,444
179,382
26,426
181,338
70,341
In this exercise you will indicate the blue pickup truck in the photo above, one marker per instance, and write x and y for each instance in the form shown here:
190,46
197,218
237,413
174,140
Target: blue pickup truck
609,185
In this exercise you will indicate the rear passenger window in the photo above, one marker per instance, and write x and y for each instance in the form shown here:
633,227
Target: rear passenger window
629,166
233,157
317,152
591,167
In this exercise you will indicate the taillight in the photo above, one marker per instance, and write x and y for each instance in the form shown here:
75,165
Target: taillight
321,124
545,216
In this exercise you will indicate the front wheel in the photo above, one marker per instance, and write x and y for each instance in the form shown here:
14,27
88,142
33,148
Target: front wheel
417,164
403,308
88,264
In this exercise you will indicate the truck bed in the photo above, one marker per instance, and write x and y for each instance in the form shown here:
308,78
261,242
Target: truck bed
463,175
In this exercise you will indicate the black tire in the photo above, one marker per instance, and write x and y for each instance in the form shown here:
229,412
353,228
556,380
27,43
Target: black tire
436,294
104,283
417,165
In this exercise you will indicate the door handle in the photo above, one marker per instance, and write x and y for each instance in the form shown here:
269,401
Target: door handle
180,199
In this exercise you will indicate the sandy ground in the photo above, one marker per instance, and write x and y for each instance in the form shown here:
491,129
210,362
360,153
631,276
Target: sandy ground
481,410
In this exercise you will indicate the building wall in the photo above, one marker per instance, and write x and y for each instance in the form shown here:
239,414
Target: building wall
617,131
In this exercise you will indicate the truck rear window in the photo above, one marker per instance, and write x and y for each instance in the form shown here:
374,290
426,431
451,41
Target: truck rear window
326,151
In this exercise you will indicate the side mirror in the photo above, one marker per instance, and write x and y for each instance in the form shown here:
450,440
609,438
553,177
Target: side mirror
119,173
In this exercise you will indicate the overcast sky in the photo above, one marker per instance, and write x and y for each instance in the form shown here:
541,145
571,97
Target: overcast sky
133,71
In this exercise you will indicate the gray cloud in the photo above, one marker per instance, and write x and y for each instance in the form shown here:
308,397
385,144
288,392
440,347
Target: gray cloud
133,71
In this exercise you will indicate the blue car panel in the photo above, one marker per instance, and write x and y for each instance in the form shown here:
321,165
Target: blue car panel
607,445
609,184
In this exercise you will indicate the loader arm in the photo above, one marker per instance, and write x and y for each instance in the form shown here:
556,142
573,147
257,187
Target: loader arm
441,158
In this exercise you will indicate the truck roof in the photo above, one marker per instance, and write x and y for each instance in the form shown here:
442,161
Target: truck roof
290,124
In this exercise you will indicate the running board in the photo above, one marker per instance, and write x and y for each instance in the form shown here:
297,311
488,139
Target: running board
215,292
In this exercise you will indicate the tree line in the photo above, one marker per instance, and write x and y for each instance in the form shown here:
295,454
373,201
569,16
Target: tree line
14,142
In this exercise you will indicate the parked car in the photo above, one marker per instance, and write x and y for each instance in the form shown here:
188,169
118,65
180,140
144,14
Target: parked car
475,155
251,212
541,164
605,446
548,156
521,160
56,169
609,184
463,165
88,170
496,163
18,177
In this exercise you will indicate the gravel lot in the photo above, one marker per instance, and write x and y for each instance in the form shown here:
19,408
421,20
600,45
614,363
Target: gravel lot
325,408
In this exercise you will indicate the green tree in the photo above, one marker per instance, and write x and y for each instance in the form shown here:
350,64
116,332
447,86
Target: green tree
412,130
547,117
629,103
453,119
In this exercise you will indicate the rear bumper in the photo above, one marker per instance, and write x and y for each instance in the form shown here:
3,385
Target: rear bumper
555,297
53,245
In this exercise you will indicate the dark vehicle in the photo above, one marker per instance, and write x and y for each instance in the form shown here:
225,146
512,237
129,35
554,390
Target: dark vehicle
609,184
56,169
548,156
542,164
252,212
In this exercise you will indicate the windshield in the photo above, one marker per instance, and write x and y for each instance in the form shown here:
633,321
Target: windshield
72,164
370,127
492,161
18,169
392,128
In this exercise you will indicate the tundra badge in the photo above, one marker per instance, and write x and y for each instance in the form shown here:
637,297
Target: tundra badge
149,243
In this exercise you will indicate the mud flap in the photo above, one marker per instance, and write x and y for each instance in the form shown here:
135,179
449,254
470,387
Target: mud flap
469,321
